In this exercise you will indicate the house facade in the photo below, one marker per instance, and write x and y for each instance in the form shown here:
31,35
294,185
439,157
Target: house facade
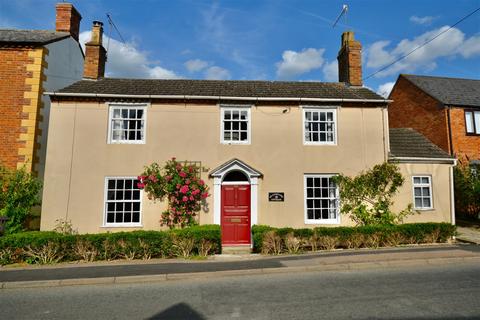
445,110
32,62
269,150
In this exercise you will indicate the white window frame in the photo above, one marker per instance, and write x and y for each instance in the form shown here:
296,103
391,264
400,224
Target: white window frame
337,196
224,108
332,109
112,106
120,225
474,122
422,185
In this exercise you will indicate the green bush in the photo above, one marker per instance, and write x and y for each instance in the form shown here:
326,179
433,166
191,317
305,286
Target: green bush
467,190
361,236
31,247
19,192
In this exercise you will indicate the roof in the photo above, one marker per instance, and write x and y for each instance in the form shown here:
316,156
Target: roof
408,143
220,89
30,37
449,91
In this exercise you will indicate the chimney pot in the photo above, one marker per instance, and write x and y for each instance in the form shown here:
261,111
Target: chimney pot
67,19
350,60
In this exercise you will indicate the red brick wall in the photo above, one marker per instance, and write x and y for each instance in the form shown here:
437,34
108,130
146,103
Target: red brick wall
13,72
412,108
463,145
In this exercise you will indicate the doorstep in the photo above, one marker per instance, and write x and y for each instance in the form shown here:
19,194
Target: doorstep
236,249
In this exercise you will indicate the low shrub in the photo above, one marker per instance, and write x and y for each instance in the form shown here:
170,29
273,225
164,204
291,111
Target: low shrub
49,247
271,240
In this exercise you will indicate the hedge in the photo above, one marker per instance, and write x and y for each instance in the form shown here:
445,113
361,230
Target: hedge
361,236
50,247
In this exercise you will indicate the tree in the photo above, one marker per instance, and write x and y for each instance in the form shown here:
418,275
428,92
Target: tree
367,197
20,192
467,189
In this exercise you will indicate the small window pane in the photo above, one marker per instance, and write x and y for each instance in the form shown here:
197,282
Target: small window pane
425,180
136,217
416,180
418,202
426,202
469,121
111,217
477,122
418,192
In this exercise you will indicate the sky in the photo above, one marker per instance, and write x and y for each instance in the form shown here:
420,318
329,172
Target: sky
271,39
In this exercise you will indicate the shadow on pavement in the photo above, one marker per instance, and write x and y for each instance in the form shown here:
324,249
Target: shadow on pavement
178,311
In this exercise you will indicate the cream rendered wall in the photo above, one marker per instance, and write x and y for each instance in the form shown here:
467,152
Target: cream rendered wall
65,66
441,196
79,158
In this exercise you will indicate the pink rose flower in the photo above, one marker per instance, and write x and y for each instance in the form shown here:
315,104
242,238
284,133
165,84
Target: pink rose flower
185,199
178,185
204,195
182,174
140,185
201,182
191,198
184,189
187,181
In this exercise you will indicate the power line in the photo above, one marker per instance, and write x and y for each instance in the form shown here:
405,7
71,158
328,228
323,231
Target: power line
422,45
110,21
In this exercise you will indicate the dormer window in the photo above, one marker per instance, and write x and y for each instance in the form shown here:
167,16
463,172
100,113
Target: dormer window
235,126
127,123
319,126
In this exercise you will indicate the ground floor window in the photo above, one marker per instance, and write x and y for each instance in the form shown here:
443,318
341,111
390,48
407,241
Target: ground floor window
321,199
123,201
422,192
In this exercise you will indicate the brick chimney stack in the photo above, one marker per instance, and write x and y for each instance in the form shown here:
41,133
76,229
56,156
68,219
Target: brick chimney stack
95,54
350,60
68,19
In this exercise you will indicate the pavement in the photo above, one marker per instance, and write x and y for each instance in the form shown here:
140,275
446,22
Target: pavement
468,234
117,272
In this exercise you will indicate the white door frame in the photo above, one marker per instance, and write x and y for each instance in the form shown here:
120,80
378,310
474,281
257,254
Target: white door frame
218,175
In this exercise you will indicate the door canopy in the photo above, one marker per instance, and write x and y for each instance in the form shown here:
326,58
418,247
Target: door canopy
235,165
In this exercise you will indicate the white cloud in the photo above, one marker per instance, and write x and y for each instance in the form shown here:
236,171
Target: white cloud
330,71
449,44
217,73
195,65
427,20
471,47
296,63
128,61
385,89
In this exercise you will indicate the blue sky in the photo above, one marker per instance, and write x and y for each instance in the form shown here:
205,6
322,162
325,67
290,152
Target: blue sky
271,40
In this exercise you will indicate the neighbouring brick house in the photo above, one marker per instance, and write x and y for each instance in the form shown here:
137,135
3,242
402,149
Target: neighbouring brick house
257,138
31,62
445,110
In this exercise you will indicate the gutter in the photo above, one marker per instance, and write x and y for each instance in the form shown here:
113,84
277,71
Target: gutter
193,97
451,161
452,195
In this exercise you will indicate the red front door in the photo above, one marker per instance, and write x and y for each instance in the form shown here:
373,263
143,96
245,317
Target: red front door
235,214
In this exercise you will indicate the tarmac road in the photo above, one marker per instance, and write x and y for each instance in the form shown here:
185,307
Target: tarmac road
449,291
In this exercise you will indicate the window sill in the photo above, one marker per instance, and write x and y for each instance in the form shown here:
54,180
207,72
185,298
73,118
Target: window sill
320,222
235,143
424,209
122,226
126,142
319,143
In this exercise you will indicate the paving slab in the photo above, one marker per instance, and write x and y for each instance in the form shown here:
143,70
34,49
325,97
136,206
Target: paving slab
469,234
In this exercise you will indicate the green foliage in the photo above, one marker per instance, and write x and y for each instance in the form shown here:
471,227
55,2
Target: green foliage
370,236
368,196
467,190
50,246
180,185
20,191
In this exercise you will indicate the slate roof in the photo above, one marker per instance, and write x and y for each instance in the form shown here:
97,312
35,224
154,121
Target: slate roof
221,88
406,142
449,91
30,37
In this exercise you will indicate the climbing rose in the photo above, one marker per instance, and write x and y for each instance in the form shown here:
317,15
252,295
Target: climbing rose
184,189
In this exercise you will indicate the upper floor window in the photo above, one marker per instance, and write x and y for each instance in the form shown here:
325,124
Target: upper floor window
127,124
422,192
321,199
319,126
472,122
235,125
